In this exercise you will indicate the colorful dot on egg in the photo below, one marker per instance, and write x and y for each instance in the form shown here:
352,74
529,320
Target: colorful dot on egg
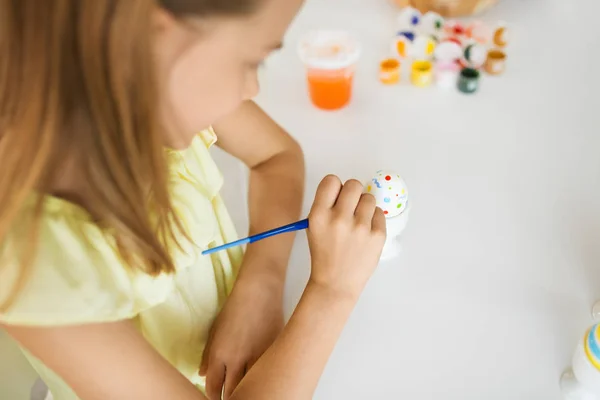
399,205
369,188
386,212
387,199
388,178
390,188
403,191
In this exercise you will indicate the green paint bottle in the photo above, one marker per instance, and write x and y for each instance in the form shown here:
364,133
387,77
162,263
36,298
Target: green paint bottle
468,81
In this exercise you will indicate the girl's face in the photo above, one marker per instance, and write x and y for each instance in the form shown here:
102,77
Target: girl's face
208,67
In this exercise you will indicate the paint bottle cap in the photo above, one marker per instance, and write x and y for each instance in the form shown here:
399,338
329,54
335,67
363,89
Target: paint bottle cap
500,36
448,50
432,23
409,35
423,47
479,32
329,49
475,55
402,44
454,28
408,18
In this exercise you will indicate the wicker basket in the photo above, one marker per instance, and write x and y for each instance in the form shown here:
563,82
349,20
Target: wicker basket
448,8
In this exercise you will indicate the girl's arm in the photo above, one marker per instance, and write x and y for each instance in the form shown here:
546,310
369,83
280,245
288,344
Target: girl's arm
253,315
276,185
114,361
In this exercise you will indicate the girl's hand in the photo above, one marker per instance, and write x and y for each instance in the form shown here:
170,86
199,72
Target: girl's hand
346,236
250,321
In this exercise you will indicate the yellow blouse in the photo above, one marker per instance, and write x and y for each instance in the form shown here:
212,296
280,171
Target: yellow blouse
78,277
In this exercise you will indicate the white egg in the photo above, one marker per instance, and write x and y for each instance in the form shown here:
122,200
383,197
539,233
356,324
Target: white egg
390,191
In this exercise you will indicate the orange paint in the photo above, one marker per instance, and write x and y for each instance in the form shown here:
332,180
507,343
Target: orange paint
389,71
330,90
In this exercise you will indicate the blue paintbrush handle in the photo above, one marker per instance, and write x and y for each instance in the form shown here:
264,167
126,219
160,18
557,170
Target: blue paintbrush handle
296,226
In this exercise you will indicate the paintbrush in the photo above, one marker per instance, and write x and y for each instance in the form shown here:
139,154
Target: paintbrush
296,226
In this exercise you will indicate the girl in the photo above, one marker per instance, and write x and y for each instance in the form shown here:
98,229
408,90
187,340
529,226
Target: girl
108,195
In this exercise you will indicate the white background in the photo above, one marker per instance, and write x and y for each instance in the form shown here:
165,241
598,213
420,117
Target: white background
501,258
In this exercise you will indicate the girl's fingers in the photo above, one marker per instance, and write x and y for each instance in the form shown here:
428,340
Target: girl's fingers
349,197
327,192
378,224
365,209
205,356
214,380
232,380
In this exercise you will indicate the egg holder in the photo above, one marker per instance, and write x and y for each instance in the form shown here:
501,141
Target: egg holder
395,226
448,46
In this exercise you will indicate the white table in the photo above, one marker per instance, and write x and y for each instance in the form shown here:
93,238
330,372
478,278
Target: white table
501,260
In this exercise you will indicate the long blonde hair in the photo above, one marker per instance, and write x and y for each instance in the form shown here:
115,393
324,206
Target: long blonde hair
77,80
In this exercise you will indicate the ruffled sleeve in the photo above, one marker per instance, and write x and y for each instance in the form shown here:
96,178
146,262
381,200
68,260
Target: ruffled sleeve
195,183
76,275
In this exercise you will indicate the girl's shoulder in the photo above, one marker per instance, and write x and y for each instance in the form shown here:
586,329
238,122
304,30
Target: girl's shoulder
77,275
74,274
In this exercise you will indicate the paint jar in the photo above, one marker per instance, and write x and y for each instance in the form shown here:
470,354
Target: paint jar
500,36
496,62
479,32
423,47
330,58
453,27
432,24
474,55
468,80
448,50
389,71
402,45
446,74
421,73
408,18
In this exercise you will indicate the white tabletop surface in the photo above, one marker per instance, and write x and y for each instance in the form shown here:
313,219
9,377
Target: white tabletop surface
501,260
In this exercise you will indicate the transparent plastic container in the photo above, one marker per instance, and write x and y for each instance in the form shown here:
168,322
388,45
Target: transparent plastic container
330,59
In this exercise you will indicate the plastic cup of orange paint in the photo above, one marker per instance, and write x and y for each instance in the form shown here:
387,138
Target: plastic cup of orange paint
330,59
